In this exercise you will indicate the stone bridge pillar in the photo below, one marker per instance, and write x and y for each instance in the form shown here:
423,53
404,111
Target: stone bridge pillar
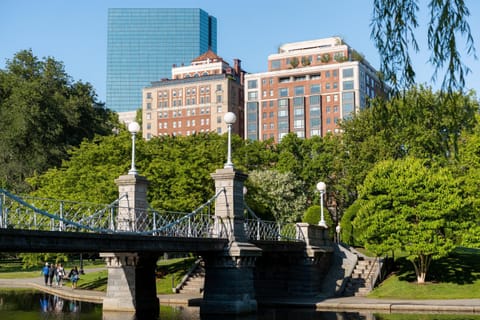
132,206
229,284
131,283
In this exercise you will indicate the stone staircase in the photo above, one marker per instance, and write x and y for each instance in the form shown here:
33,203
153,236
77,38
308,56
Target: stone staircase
194,281
363,278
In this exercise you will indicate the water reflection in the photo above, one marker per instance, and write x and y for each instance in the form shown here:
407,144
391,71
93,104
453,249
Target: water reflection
33,305
55,304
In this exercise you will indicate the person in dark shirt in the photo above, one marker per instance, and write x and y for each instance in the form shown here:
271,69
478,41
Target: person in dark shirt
74,276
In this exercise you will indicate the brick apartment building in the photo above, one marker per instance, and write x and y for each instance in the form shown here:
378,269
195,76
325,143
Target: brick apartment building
195,99
308,88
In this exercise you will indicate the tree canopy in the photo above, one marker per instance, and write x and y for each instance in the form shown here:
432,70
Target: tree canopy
420,123
411,205
43,113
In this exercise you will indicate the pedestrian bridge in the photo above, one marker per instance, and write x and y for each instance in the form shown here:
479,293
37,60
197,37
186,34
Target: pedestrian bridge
245,257
28,213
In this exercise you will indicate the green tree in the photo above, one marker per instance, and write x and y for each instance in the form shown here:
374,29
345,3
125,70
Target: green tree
89,174
411,205
394,26
43,113
273,195
294,62
468,172
420,123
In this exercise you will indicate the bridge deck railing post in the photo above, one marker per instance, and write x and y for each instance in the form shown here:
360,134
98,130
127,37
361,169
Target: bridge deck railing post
112,219
61,217
2,201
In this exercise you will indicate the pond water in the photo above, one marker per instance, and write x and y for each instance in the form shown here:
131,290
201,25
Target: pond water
32,305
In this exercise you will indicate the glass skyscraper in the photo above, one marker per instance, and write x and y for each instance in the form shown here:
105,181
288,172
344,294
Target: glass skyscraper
144,43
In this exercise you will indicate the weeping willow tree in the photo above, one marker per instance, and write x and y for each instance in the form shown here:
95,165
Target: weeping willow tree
394,23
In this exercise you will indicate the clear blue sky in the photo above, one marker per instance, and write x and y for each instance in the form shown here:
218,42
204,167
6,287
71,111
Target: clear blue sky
75,32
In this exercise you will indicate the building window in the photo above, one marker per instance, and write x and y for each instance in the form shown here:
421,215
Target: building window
275,64
252,84
149,106
282,125
347,73
298,102
298,124
282,113
219,99
299,90
314,100
327,74
315,88
149,116
314,112
219,87
149,95
252,95
299,112
283,92
348,85
327,85
282,103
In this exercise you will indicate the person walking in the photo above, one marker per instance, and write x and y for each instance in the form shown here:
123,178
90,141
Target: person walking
45,272
51,273
74,276
60,275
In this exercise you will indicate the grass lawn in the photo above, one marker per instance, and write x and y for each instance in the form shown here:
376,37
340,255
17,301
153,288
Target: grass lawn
166,270
454,277
169,273
15,270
